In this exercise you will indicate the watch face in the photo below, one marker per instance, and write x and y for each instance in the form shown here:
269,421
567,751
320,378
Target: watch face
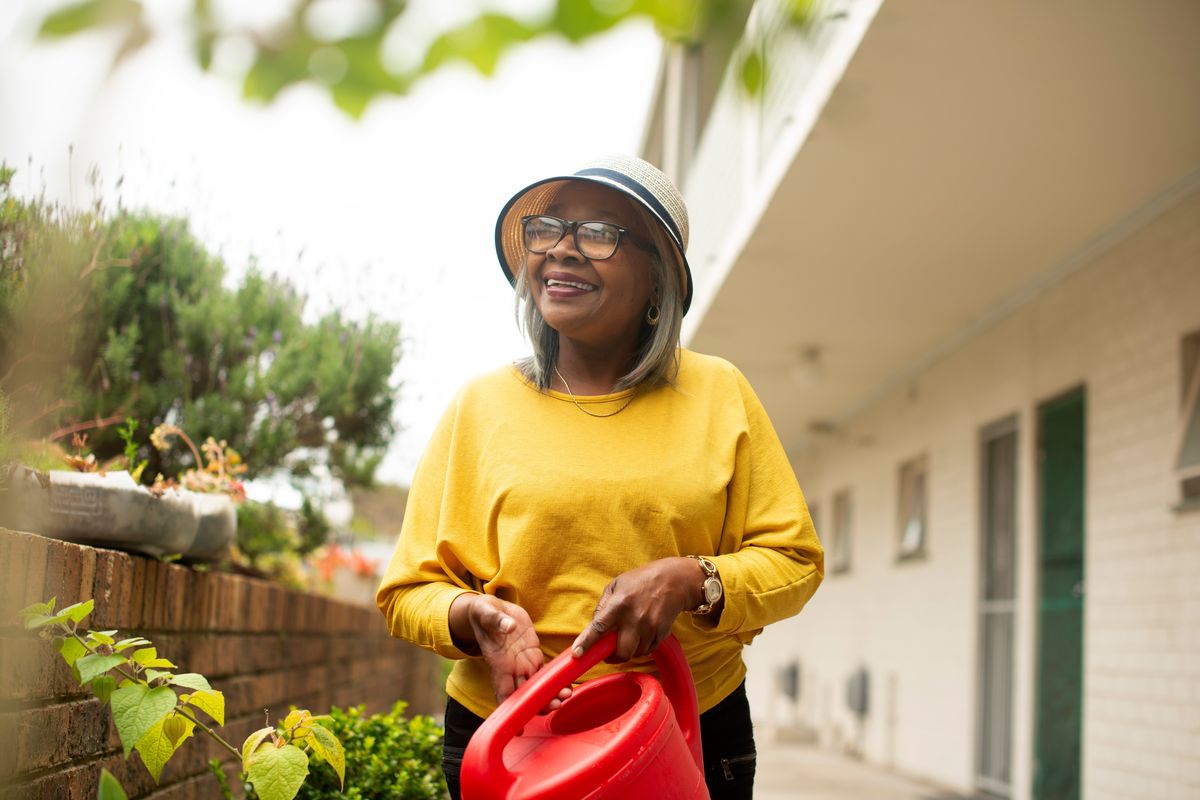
712,590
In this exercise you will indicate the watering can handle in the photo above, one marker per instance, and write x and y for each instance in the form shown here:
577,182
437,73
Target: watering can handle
536,693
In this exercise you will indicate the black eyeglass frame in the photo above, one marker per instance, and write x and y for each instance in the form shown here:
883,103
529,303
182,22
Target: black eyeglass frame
573,227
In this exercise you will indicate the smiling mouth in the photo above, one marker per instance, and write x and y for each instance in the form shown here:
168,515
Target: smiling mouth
586,287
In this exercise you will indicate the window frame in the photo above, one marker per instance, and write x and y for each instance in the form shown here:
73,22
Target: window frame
912,484
841,538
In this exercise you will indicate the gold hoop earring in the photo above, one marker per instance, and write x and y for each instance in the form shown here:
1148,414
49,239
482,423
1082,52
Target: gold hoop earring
652,315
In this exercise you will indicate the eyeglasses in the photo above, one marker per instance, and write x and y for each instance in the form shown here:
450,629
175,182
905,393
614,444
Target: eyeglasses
594,240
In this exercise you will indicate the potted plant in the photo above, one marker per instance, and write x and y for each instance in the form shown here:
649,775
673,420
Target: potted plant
96,503
215,487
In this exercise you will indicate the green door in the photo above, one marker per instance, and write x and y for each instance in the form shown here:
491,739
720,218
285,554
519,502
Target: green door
1060,597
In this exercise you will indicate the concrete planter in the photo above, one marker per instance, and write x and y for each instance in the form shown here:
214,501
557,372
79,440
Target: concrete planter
109,510
216,526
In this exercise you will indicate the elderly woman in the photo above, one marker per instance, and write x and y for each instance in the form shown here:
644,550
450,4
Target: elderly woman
610,481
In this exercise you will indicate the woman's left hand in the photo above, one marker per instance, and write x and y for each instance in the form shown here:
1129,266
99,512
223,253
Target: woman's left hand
641,605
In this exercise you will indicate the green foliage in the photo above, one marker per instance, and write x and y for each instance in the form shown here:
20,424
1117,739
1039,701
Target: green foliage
354,68
263,528
126,432
155,720
110,788
130,318
387,757
277,772
311,526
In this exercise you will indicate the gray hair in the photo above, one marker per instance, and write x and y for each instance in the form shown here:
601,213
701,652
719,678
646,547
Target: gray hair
657,359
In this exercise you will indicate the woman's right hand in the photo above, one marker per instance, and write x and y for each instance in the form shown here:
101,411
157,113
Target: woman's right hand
502,633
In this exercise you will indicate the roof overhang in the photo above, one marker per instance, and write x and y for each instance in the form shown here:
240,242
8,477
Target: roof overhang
970,155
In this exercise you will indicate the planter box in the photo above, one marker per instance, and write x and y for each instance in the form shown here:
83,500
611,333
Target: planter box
111,510
216,526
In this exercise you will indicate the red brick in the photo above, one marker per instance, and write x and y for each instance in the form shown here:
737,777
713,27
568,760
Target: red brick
10,574
103,590
135,592
42,738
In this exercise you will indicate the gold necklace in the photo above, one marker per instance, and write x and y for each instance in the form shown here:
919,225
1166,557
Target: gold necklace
580,406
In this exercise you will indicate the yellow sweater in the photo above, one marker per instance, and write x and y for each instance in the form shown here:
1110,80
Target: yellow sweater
523,496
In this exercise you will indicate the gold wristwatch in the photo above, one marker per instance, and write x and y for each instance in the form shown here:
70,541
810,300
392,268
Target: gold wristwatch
713,590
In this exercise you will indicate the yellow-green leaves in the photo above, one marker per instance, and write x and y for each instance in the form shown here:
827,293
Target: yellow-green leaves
79,17
148,657
752,72
191,680
326,745
77,612
71,649
110,787
40,615
103,687
91,667
211,702
251,745
159,743
137,708
152,719
297,723
278,772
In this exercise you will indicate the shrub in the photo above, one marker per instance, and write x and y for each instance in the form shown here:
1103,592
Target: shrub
388,757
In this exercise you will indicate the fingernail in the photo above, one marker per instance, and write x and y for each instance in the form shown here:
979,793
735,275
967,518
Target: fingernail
506,624
578,651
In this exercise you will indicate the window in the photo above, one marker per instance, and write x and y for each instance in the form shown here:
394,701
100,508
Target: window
1187,465
839,546
913,516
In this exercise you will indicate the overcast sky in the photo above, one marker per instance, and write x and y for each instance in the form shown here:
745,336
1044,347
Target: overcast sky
342,208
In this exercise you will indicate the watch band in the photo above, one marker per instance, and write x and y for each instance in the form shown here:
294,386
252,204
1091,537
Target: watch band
712,588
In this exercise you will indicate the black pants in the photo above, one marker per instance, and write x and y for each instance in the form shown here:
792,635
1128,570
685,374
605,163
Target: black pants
725,731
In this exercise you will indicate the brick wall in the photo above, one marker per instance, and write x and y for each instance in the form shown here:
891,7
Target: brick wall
1114,327
264,646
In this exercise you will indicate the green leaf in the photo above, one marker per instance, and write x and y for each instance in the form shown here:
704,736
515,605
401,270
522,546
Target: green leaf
327,746
103,687
110,787
148,657
138,708
252,743
125,644
71,649
38,610
88,14
192,680
43,620
753,73
77,612
480,42
273,71
94,666
211,702
100,637
162,740
277,773
296,719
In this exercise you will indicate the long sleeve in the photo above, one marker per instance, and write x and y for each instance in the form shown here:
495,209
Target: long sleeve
770,559
422,581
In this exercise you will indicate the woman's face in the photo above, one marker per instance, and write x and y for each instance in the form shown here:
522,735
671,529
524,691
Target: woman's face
598,303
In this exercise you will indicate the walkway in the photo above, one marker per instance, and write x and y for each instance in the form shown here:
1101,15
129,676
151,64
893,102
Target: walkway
792,771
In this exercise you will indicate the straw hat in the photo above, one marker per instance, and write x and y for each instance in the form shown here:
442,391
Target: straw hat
640,181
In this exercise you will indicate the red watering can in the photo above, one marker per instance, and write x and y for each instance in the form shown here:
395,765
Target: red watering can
619,736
